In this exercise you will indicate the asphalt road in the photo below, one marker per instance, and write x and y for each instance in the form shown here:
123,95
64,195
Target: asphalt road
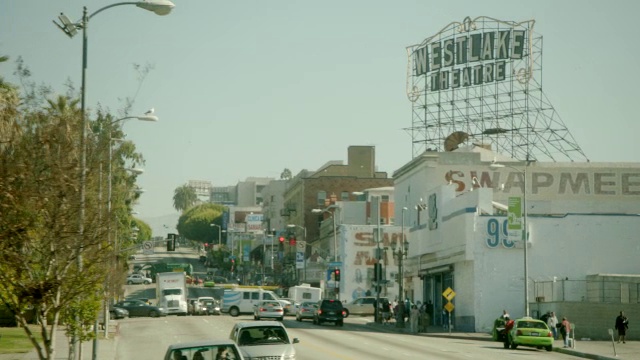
148,338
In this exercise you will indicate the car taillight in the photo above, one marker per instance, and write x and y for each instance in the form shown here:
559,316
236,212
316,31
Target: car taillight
263,309
319,312
278,310
549,334
344,313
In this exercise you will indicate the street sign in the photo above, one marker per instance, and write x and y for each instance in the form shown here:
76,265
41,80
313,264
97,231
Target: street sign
300,245
449,307
449,294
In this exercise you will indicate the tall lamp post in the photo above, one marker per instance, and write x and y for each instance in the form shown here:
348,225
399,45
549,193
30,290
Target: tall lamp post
525,235
400,249
219,234
160,7
304,241
335,237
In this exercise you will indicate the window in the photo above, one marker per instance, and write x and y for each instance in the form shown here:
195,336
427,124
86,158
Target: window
322,196
344,196
246,295
255,296
384,198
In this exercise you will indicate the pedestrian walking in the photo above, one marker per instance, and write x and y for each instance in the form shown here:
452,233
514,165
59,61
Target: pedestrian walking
413,319
565,331
552,322
622,324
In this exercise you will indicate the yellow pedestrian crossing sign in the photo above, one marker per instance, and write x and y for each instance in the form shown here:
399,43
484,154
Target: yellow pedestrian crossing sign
449,294
449,307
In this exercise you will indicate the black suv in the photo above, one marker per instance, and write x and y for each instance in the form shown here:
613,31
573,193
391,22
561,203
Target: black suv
329,310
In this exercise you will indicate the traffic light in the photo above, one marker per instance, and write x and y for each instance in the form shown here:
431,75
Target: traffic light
171,242
281,246
281,239
377,272
292,240
336,274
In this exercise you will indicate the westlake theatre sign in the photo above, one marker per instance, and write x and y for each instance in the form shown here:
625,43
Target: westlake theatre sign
469,58
480,81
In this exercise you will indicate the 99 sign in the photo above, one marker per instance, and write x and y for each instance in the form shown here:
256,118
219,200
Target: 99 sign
498,234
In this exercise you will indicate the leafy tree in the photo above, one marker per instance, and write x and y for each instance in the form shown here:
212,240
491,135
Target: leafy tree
195,223
286,174
184,197
44,263
45,266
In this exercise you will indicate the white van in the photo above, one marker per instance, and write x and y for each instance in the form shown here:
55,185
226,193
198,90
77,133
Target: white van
241,301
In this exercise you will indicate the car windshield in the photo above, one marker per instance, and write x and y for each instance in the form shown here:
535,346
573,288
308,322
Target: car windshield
263,336
224,352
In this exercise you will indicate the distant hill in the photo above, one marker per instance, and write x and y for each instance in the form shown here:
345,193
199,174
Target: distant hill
162,225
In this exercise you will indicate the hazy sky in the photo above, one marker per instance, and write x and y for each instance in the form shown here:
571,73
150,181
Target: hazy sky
248,88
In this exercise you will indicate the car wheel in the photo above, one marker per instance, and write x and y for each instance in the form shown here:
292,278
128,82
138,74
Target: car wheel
147,282
234,312
346,313
548,348
153,313
129,282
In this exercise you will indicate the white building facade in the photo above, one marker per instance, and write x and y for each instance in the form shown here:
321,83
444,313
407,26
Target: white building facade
582,220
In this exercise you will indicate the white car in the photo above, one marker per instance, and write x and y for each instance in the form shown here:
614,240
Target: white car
264,340
268,309
138,279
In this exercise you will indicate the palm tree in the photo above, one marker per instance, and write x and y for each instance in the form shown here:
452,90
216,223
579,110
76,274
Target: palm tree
184,197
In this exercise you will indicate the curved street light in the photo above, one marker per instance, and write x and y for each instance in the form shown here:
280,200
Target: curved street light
159,7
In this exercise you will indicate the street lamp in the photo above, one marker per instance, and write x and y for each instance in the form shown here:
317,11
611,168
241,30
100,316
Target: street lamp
400,249
304,241
525,236
219,233
160,7
335,236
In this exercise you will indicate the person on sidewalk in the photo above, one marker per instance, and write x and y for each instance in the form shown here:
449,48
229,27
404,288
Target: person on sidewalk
413,319
565,331
622,324
552,322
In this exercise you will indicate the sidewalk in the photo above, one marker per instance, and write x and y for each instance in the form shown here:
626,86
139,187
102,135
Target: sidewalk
599,350
106,348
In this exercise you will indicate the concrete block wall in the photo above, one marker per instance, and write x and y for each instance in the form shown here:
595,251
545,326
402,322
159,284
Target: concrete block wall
592,320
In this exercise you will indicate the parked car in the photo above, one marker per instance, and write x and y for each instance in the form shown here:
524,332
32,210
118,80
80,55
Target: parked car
264,340
306,310
329,310
529,332
140,308
138,279
362,306
117,313
268,309
208,349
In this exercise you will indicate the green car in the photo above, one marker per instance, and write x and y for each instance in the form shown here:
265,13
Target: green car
529,332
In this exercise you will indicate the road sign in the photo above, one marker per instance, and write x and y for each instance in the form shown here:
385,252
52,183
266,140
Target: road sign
449,307
449,294
148,245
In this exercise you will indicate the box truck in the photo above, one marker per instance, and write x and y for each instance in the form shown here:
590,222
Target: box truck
171,292
304,292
